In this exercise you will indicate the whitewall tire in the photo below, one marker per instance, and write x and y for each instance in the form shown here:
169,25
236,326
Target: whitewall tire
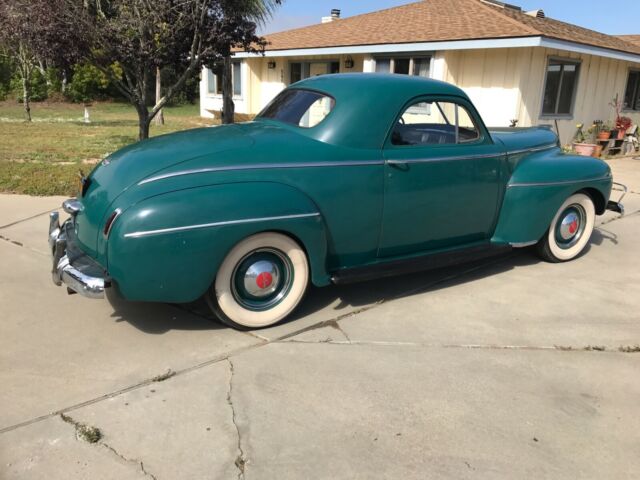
260,282
570,229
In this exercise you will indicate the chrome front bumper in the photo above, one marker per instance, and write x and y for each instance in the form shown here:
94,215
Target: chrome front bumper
70,265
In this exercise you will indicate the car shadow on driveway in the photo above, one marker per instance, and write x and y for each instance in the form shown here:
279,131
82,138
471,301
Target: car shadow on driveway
156,318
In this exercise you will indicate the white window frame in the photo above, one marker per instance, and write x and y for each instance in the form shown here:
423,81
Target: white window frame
211,75
565,60
412,57
308,63
636,92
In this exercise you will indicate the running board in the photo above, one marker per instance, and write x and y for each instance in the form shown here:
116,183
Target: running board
418,264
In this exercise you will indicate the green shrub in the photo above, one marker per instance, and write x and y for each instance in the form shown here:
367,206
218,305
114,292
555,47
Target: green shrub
88,84
39,90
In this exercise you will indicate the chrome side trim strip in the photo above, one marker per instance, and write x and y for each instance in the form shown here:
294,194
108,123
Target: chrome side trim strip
565,182
532,150
398,161
469,157
217,224
264,166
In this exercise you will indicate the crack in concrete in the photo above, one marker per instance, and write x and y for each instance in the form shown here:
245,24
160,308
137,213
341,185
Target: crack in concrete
240,461
26,219
20,244
134,461
93,435
473,346
333,323
619,217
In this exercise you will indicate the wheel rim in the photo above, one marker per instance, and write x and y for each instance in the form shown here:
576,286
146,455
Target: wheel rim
261,279
570,226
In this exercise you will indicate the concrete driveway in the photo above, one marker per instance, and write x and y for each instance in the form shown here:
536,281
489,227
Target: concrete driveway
508,368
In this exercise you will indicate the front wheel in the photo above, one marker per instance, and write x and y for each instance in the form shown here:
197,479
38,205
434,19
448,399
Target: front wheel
260,282
569,231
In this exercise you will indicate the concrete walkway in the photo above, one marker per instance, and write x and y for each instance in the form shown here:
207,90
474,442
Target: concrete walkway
508,368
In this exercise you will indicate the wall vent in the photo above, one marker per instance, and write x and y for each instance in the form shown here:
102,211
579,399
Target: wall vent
536,13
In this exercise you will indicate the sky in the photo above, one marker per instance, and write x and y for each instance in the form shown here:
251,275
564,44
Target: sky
615,18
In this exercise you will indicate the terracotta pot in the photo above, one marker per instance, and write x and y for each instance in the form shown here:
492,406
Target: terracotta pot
584,149
621,134
597,151
604,135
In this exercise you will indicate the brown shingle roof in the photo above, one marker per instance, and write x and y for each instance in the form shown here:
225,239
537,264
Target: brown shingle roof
438,20
635,39
551,28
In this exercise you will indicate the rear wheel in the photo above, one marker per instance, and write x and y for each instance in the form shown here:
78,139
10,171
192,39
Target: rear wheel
260,282
570,230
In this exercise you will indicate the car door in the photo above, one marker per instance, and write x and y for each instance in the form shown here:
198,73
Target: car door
442,178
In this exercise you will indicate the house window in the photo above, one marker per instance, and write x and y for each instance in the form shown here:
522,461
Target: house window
560,87
632,93
302,70
418,66
214,79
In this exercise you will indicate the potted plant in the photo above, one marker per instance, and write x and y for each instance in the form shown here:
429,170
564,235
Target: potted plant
604,131
622,123
583,141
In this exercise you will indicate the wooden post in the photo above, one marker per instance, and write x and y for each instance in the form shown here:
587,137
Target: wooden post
159,118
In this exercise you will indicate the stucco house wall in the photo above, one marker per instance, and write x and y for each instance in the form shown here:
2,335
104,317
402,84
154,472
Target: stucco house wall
508,84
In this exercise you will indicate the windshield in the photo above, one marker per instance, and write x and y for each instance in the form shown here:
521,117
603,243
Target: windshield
303,108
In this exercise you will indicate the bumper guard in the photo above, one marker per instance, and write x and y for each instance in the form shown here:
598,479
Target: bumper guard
79,274
617,206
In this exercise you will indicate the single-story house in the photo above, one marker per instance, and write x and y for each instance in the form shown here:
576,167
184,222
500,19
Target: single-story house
515,65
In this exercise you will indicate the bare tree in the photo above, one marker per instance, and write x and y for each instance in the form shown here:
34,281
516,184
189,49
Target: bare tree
33,31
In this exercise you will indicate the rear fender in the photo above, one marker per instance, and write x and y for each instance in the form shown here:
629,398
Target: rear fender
169,247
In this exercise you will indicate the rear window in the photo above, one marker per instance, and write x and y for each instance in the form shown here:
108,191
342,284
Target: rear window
303,108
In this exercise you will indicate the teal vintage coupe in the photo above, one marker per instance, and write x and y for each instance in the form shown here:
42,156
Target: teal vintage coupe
341,178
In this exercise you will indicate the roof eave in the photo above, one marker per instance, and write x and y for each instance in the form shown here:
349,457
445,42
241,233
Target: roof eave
467,44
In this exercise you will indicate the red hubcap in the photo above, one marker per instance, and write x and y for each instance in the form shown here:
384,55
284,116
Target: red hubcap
264,280
573,227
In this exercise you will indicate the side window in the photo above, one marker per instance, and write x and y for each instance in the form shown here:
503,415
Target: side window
435,123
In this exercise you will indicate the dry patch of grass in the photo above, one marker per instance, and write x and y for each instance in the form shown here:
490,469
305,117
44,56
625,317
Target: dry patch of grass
43,157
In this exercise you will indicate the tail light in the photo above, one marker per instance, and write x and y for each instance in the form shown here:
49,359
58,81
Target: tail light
109,223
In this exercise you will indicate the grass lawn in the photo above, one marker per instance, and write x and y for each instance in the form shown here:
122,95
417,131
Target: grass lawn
43,157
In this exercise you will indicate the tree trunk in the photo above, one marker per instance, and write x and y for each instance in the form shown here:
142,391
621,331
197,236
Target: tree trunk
63,85
144,122
25,98
159,118
228,108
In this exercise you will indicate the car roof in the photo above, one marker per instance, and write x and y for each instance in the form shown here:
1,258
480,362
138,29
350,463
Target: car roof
367,105
374,85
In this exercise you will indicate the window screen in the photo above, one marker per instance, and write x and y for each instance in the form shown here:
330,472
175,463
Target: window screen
632,92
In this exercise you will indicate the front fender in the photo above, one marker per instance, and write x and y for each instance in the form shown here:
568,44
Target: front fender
170,246
538,186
